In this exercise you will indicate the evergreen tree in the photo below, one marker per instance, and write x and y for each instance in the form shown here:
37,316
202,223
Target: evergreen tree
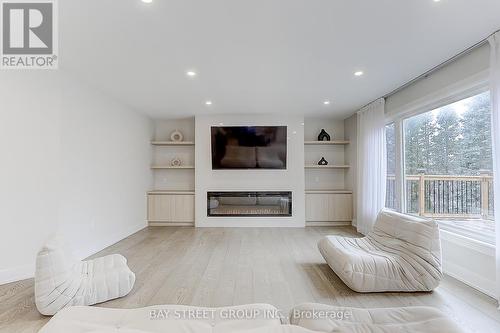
447,149
476,132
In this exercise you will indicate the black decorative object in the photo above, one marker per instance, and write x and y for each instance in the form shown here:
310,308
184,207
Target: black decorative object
322,161
323,136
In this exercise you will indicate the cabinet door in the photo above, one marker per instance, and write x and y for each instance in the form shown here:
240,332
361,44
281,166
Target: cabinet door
328,207
340,207
170,208
317,207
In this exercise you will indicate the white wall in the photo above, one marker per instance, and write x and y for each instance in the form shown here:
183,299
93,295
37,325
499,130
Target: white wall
291,179
73,161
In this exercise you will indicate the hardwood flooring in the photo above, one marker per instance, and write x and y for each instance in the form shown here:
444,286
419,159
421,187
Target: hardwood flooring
229,266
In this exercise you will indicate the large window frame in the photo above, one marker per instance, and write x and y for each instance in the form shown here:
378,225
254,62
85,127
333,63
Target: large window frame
467,88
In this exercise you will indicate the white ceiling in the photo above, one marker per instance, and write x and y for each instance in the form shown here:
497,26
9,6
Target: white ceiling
262,55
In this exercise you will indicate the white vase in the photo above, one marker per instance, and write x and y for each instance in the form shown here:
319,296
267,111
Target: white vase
176,136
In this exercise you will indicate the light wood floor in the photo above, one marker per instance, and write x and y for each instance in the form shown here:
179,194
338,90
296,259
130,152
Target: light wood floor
226,266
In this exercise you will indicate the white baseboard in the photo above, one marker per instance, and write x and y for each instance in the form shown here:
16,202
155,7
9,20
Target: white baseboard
470,278
28,271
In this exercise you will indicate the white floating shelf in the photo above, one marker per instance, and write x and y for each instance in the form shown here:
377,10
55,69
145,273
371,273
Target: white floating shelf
327,166
160,167
328,192
326,143
177,192
172,143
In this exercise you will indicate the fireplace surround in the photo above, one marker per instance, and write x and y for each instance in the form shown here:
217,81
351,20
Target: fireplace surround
249,204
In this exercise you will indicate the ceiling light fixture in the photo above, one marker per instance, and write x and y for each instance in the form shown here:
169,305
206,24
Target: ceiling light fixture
147,1
326,102
208,102
191,73
358,73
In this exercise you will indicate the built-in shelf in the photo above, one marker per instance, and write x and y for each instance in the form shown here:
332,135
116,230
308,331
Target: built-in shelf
172,192
327,166
172,143
328,192
325,143
159,167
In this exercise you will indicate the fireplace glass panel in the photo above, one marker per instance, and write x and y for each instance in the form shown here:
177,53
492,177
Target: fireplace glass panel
266,204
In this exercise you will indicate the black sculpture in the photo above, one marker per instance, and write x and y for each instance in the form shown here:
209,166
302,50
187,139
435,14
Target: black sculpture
322,161
323,136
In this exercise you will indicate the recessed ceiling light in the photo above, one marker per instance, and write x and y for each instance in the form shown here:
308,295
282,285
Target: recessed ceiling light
208,102
191,73
147,1
326,102
358,73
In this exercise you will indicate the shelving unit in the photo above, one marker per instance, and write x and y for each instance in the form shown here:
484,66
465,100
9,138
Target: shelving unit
172,199
327,202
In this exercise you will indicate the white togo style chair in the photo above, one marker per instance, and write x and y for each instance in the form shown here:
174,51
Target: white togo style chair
401,254
61,280
416,319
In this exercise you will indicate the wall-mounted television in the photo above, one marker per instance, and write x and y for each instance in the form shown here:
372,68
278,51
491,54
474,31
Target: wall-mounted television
249,147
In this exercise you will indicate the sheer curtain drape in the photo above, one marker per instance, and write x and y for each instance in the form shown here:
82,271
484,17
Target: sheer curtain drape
371,180
495,99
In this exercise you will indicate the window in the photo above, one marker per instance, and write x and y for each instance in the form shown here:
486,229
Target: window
448,164
391,193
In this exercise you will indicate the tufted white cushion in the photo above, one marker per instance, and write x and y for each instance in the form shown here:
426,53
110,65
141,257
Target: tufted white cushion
166,318
391,320
402,253
61,280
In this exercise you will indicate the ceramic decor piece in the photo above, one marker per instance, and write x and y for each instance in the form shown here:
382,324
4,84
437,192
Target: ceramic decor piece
176,162
323,136
176,136
322,161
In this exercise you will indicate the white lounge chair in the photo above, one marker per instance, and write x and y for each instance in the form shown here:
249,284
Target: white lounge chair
326,318
61,280
402,253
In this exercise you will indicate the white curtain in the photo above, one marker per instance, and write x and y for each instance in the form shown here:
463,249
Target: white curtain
371,165
495,100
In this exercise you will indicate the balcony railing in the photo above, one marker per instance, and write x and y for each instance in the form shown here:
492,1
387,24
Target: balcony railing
437,196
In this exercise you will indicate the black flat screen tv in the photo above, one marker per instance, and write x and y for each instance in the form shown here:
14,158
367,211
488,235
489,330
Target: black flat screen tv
249,147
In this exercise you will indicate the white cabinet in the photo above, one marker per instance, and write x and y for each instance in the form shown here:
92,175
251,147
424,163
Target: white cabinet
325,207
171,208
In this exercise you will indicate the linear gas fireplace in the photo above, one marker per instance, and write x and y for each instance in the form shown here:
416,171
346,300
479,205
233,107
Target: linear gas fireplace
255,204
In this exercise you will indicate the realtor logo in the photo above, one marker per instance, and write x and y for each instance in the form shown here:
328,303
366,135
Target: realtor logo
29,34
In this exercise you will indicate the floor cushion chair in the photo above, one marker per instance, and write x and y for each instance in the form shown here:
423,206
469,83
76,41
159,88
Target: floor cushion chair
61,280
166,318
326,318
401,254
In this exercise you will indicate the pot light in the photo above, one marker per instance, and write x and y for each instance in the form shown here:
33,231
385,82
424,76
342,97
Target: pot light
208,103
191,73
358,73
147,1
326,102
